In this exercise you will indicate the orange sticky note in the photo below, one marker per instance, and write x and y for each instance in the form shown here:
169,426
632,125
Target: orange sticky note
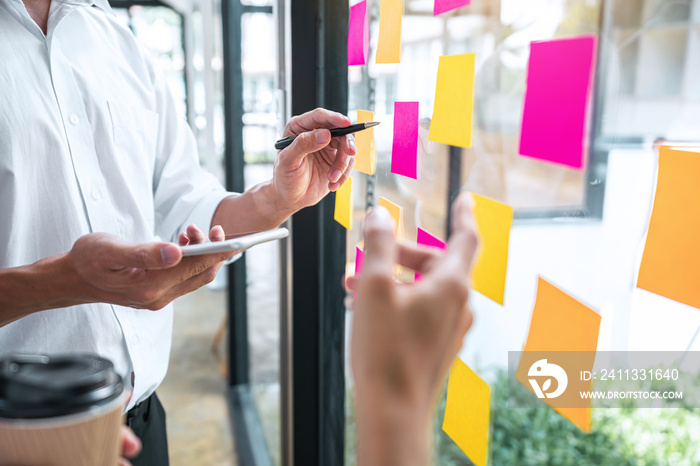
467,412
395,211
366,158
389,45
493,220
343,204
454,101
671,260
561,323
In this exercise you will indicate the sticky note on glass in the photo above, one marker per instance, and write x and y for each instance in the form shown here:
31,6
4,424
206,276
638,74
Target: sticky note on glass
397,213
493,220
559,78
389,44
671,261
358,34
404,149
359,262
423,238
467,412
343,204
454,101
561,323
366,158
443,6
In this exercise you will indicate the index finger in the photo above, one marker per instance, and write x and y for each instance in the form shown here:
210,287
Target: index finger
464,229
454,265
315,119
380,254
464,240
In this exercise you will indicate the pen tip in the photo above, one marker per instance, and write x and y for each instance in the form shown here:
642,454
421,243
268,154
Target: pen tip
371,123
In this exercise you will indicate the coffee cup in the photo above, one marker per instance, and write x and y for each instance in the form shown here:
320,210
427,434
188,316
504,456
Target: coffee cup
60,411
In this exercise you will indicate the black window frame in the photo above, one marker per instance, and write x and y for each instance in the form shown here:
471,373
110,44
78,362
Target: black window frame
312,310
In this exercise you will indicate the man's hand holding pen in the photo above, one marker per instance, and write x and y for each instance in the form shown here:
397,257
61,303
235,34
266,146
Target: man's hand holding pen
314,163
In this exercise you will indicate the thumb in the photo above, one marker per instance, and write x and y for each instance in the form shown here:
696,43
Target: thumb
148,255
304,144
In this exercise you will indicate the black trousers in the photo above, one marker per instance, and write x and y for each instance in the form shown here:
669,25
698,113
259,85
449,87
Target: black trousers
147,420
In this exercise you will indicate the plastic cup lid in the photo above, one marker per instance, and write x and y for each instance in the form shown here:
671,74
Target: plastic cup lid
34,387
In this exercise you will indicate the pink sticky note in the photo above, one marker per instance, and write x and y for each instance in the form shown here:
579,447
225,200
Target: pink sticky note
441,6
559,76
359,260
424,238
404,150
358,34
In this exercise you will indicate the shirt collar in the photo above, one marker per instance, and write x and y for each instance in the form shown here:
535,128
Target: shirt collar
102,4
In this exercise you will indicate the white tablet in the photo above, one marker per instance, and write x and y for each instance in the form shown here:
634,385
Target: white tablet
239,243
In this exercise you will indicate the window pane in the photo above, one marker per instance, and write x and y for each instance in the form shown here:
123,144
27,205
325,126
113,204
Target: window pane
259,65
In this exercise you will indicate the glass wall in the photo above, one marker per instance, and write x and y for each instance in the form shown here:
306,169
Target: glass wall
648,62
260,121
500,34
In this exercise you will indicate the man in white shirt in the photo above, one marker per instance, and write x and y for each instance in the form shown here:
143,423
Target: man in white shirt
97,171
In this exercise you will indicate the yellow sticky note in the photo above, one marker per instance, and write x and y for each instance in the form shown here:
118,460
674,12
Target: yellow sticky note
454,101
671,260
389,45
343,204
366,158
493,220
396,212
561,323
467,412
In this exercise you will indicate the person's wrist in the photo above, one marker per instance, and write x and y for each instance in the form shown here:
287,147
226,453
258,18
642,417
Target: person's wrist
392,429
398,403
52,282
277,202
67,287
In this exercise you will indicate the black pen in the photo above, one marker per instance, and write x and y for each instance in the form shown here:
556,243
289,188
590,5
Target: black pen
335,132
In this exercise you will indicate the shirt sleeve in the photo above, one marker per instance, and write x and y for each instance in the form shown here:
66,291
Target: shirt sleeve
183,192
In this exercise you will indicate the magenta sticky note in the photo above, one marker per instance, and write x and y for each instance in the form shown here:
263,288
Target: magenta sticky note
559,77
442,6
404,150
358,34
424,238
359,260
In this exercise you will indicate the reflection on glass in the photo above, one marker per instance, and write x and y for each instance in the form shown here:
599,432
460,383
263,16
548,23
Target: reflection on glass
262,266
651,90
259,65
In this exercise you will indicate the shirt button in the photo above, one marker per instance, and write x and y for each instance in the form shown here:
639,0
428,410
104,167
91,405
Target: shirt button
73,119
95,194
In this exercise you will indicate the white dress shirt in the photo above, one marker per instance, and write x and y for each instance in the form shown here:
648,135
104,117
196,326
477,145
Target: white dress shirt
90,141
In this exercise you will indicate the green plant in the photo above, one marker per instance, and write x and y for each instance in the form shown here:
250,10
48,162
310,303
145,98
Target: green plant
540,436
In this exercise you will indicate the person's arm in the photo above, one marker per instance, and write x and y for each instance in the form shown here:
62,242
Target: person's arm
46,284
405,337
103,268
306,171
